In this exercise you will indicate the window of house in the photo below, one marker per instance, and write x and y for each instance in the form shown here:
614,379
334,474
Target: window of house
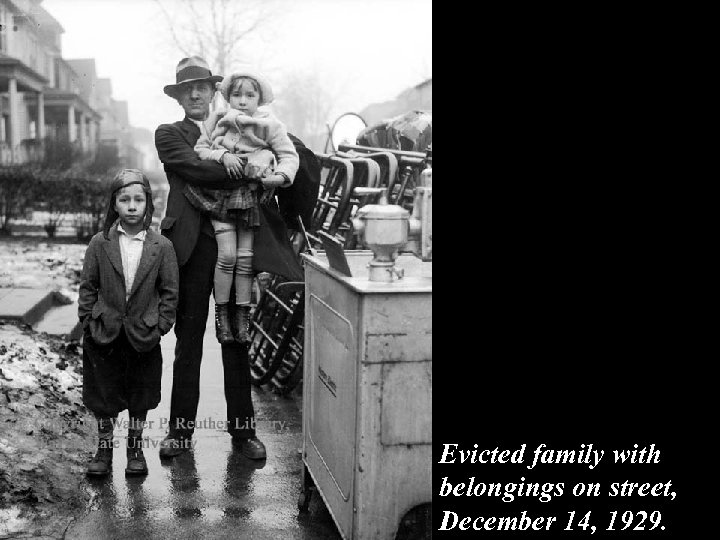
33,57
48,67
3,29
4,128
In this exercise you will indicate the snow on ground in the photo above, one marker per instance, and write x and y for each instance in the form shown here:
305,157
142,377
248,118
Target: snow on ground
10,521
46,434
41,265
26,362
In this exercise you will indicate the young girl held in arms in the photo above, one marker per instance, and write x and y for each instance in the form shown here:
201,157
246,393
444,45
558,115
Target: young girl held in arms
245,128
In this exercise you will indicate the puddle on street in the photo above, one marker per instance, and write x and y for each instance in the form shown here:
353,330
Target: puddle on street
209,491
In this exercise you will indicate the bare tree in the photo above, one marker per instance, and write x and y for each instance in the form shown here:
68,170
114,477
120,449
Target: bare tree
214,29
304,104
224,32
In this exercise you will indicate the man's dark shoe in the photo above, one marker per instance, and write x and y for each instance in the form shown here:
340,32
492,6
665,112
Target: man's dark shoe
101,464
250,448
136,464
171,446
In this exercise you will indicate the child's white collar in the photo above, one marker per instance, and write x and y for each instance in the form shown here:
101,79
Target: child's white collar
139,236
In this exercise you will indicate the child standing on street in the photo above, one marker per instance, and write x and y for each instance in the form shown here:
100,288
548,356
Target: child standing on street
128,296
242,130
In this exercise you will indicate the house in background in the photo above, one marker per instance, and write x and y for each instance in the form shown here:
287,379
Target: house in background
44,95
129,155
115,129
69,113
144,140
29,45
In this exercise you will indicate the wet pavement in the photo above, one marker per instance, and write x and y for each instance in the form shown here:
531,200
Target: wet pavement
209,491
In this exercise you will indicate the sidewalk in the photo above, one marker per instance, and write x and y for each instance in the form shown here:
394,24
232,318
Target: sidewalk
46,311
210,491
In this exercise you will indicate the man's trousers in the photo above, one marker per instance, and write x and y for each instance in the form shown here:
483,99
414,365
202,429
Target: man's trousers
196,283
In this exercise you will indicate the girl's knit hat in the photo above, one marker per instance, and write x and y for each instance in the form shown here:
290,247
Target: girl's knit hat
124,178
266,93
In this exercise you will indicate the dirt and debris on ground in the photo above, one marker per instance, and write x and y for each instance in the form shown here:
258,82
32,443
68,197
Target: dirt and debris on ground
45,431
33,264
44,434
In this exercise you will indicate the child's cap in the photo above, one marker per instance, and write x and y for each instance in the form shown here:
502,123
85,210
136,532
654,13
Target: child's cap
128,177
266,93
124,178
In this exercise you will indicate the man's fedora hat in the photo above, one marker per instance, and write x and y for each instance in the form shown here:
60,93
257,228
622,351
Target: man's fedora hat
191,69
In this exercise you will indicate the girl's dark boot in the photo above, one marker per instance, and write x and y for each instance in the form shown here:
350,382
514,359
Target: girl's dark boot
101,464
241,324
222,325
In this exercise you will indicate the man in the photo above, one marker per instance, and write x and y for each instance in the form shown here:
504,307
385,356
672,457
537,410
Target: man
194,241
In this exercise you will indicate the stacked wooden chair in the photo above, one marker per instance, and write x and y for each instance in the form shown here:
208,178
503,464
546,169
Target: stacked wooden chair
277,325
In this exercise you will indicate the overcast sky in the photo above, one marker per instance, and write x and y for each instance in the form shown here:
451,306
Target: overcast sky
365,51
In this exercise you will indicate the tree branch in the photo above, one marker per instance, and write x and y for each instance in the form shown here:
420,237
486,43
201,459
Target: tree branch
198,32
171,27
214,28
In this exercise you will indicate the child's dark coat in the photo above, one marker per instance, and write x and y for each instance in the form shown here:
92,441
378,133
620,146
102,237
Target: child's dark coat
122,361
150,311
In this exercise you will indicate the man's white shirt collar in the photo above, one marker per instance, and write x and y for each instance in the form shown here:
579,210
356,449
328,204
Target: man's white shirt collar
201,125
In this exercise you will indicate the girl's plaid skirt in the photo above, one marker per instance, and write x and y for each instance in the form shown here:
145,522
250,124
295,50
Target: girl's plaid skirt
227,205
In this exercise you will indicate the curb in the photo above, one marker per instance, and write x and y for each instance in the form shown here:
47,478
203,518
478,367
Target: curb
29,306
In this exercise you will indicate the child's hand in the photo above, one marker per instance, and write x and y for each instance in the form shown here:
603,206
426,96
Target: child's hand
274,180
259,163
233,165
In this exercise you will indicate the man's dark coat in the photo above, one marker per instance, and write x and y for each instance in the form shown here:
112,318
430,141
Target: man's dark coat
182,223
299,199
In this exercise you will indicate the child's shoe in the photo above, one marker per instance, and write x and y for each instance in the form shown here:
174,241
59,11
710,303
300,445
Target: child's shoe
101,464
242,323
136,464
222,325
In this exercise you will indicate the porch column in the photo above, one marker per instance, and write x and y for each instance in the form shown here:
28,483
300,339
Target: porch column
93,135
72,134
83,132
14,119
40,131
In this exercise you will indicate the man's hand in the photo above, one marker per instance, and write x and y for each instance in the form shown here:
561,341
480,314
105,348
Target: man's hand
259,164
272,181
233,165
